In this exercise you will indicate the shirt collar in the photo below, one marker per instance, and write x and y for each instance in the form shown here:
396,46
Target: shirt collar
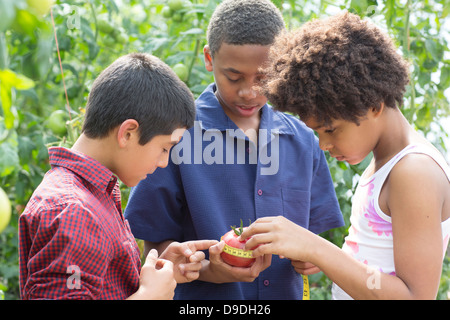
86,167
212,116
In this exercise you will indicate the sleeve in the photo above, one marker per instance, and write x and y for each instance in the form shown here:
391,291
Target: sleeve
68,257
325,211
156,205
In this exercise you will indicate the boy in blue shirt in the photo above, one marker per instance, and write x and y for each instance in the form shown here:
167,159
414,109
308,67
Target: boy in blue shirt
241,160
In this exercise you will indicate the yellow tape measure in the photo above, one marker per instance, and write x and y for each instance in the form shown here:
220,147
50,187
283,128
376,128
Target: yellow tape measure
237,252
305,287
248,254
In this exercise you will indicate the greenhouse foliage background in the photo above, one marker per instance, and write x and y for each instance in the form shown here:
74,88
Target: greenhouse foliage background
93,33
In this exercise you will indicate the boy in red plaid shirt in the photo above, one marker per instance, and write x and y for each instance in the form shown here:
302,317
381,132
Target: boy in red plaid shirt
74,242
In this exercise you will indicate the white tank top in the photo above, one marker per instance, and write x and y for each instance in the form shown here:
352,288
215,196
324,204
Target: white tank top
370,234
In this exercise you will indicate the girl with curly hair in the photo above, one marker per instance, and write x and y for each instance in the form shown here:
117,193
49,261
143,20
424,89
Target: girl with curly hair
345,79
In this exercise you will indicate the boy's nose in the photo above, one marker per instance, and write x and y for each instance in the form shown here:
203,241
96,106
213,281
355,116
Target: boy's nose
324,145
163,161
247,93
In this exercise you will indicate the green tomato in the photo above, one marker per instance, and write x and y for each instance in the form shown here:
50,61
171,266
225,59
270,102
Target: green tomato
109,41
177,17
181,70
175,5
104,26
5,210
40,7
167,12
57,122
121,37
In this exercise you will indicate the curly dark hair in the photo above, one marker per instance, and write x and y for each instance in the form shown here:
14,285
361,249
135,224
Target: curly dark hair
241,22
336,68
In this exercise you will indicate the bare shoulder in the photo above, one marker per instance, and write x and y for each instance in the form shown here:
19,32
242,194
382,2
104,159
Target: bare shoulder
418,179
419,167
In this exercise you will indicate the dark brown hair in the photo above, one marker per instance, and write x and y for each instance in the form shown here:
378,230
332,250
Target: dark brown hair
336,68
142,87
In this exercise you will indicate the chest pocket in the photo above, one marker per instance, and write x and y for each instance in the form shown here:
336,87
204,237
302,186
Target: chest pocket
296,206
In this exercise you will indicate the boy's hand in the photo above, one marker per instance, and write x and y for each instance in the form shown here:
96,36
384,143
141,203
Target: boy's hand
156,281
223,272
187,258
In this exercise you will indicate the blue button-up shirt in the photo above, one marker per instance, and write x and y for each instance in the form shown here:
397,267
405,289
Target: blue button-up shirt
216,177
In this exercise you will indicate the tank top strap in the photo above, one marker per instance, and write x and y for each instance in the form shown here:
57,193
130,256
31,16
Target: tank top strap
384,171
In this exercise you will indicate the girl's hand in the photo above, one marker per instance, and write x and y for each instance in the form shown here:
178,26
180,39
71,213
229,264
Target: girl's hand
278,235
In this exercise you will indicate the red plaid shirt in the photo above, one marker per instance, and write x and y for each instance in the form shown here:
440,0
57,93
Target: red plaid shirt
73,240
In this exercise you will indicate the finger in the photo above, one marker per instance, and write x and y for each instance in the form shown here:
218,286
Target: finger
215,251
308,271
152,258
189,248
193,266
302,264
201,244
257,239
164,264
191,275
262,225
305,268
262,250
197,257
261,263
266,261
191,271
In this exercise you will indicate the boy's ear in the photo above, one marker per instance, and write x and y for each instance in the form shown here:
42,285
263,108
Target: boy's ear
208,58
127,131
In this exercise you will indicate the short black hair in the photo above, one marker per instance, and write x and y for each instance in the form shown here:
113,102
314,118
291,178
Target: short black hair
138,86
335,68
242,22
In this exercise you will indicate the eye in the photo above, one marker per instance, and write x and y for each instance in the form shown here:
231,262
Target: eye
232,80
330,131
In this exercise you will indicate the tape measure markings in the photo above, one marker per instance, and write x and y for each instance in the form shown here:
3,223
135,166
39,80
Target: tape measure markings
305,287
237,252
248,254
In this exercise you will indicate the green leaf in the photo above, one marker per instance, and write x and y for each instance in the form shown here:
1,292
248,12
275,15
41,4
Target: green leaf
193,31
7,14
18,81
8,81
9,159
444,80
239,231
434,49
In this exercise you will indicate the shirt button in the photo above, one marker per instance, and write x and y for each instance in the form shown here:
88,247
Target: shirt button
266,283
260,192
